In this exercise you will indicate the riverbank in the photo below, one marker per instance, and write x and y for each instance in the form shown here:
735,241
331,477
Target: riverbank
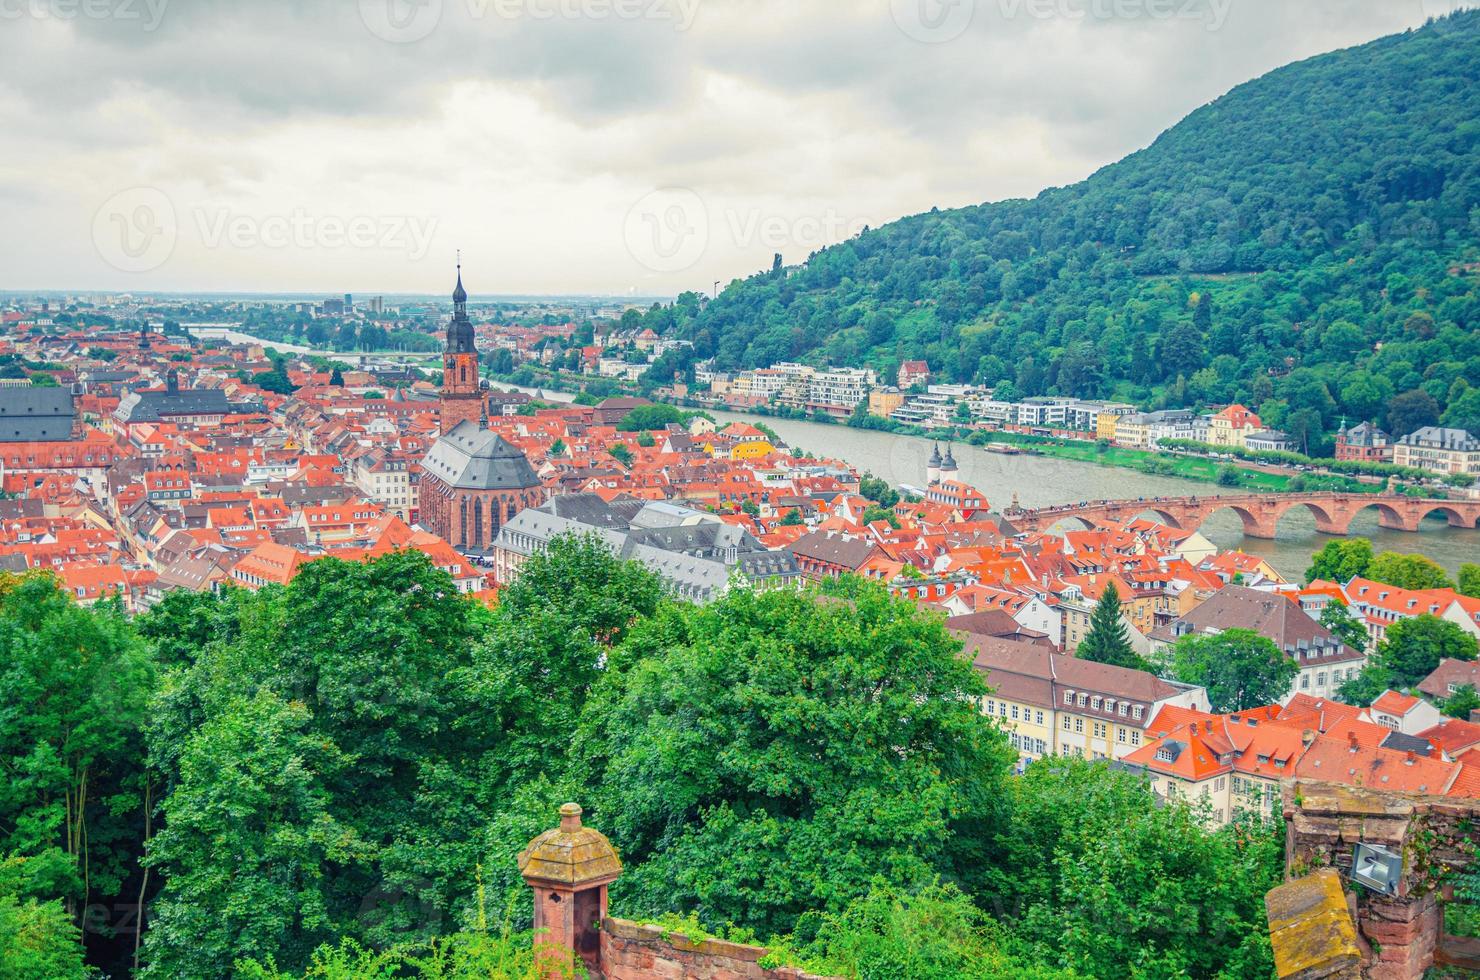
1250,477
1229,475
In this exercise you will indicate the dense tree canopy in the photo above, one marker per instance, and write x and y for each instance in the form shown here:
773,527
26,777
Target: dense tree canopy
349,798
784,752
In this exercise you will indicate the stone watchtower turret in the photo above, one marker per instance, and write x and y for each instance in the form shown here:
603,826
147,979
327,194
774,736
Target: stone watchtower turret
569,869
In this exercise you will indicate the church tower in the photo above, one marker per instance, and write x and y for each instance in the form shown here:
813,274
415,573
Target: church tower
462,400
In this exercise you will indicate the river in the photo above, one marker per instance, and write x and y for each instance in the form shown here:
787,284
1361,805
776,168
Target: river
1041,481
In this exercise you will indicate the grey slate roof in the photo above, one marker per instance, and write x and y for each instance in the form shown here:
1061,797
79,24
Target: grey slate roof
695,553
472,458
32,414
1437,437
156,406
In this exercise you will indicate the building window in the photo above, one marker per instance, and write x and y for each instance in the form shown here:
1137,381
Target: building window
1066,723
1079,726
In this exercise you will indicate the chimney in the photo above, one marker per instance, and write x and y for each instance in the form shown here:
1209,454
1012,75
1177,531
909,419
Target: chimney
1408,760
569,869
1351,738
1308,736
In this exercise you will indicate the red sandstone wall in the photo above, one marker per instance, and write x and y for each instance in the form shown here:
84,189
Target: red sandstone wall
634,952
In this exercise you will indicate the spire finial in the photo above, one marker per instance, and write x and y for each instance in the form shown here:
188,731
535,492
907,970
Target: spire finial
459,294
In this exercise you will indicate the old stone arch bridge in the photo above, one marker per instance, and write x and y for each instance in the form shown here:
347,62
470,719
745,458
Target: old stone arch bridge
1260,512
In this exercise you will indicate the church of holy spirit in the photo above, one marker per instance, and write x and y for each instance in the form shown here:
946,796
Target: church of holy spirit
472,480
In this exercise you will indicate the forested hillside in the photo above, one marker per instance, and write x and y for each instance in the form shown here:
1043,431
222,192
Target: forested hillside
1299,244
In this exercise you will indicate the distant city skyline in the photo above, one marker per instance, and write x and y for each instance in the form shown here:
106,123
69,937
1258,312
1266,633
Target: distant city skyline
575,147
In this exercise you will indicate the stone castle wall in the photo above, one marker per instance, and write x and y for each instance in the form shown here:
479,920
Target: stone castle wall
630,951
1400,936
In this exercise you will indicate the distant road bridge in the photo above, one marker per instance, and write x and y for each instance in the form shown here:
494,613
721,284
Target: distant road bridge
1260,512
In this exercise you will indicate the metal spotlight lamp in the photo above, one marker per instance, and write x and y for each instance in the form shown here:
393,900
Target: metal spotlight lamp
1377,867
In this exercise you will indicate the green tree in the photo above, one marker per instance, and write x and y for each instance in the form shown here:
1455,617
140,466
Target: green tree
38,941
379,850
1464,412
1410,411
1469,580
1367,686
792,518
1340,561
930,933
275,381
872,488
1108,640
1229,475
465,955
619,452
247,834
1239,668
1102,875
771,753
1412,648
649,417
1462,702
1408,571
75,685
1338,619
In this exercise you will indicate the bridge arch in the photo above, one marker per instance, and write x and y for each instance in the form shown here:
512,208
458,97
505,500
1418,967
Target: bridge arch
1455,516
1387,515
1254,527
1161,517
1068,522
1329,519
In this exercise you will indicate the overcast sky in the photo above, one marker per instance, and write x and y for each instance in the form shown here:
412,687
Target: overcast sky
574,146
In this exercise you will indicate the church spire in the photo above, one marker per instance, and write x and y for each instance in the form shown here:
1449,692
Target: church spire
460,329
459,294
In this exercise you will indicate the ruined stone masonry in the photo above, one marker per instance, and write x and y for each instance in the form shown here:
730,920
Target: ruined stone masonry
1324,925
569,869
